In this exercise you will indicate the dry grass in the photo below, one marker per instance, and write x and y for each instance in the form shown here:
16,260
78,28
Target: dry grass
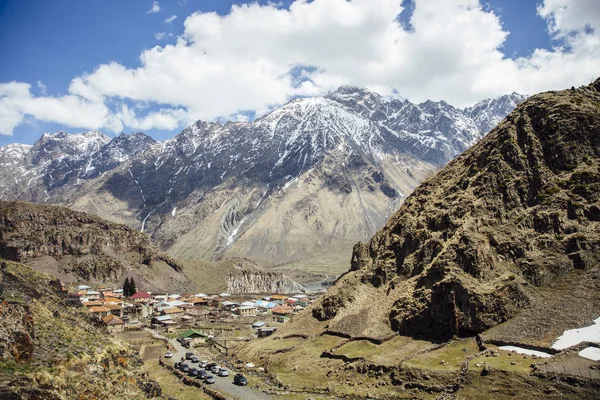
171,385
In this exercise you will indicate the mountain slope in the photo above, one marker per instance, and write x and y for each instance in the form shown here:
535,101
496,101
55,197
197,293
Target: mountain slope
79,247
49,350
296,187
472,245
502,246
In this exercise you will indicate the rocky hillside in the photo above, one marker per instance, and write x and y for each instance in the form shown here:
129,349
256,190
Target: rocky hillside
502,246
76,246
474,245
298,186
51,351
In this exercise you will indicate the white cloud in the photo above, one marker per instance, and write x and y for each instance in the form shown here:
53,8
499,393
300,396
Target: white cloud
155,8
163,35
42,87
243,61
170,19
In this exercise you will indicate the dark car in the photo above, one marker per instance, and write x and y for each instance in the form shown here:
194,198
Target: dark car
176,365
209,366
185,368
209,379
201,374
189,355
193,371
195,359
240,379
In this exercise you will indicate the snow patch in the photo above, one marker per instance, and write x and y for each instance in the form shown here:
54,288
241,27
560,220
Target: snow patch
591,353
234,232
174,211
572,337
522,350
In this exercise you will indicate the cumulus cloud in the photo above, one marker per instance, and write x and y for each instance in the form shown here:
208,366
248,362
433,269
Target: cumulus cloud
258,56
154,9
170,19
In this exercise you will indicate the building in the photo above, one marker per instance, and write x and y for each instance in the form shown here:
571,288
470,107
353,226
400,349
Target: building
171,311
265,305
246,311
99,311
141,297
194,336
113,323
281,297
282,310
198,301
265,331
114,309
228,305
259,324
165,321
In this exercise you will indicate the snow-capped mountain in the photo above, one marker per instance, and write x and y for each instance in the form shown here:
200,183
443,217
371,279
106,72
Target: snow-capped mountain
61,161
297,186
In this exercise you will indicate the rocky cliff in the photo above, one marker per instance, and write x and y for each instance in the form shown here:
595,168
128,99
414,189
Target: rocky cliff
77,246
262,282
488,235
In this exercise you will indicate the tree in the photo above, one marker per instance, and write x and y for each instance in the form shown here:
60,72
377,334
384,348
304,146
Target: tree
132,288
126,288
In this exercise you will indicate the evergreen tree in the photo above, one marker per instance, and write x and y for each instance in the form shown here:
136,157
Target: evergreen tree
132,287
126,288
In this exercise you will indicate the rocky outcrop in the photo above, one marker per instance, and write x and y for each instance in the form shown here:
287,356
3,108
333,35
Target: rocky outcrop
262,282
489,233
80,245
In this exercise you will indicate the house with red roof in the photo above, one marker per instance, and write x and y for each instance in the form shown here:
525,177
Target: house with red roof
141,297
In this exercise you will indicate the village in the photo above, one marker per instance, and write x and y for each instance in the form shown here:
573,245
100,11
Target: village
191,317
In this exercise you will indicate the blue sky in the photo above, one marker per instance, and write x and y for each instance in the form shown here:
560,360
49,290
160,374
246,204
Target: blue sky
47,44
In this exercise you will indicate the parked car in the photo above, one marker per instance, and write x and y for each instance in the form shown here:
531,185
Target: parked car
223,372
192,371
195,359
203,364
209,366
209,379
201,374
240,379
169,354
176,365
189,355
215,369
185,368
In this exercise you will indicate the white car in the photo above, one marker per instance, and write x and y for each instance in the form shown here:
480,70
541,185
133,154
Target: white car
169,354
223,372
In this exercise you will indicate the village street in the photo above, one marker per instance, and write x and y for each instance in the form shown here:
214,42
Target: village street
224,385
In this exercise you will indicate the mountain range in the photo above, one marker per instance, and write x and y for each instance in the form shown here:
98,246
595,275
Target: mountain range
482,285
295,188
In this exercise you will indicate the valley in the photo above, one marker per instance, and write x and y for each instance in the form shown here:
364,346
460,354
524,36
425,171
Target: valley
483,282
295,189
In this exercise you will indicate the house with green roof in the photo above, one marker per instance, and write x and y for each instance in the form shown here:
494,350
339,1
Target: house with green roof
193,336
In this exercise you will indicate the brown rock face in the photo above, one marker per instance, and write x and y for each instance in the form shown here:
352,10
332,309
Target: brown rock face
74,245
471,246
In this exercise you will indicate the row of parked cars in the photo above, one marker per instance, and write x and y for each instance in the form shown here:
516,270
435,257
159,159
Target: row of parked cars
203,367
